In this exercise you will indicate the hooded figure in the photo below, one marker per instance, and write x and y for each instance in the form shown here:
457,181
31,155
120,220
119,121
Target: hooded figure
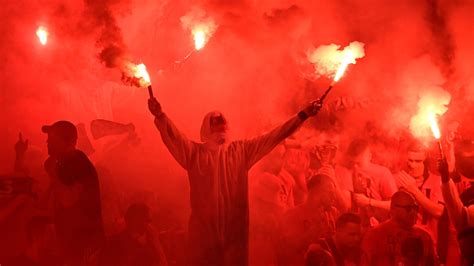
218,177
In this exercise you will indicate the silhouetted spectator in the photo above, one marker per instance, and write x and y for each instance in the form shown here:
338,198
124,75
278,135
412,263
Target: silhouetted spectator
324,161
373,184
344,246
38,251
382,245
466,240
317,256
307,223
76,195
137,244
426,189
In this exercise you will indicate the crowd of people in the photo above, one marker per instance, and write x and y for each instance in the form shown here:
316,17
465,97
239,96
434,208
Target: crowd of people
333,201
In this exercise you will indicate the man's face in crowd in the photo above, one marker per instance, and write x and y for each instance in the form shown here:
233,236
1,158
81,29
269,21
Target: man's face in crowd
362,161
349,235
415,166
56,143
404,211
219,129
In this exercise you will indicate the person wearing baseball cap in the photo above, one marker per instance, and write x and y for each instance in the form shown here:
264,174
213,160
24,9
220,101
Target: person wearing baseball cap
62,137
75,190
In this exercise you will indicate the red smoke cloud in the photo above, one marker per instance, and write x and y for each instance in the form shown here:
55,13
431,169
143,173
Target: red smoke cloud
254,69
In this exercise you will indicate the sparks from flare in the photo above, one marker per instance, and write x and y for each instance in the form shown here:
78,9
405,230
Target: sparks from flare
42,34
434,126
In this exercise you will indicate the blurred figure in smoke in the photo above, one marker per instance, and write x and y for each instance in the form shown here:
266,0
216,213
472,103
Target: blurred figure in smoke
38,251
344,246
293,174
218,176
28,168
426,189
75,195
324,161
269,198
461,216
373,184
137,245
386,243
316,256
20,195
307,223
412,251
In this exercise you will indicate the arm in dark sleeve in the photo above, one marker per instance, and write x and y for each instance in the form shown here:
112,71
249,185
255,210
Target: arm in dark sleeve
179,146
456,211
258,147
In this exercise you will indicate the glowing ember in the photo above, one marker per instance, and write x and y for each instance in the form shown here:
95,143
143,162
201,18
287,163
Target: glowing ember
42,34
199,39
434,126
201,27
330,61
136,75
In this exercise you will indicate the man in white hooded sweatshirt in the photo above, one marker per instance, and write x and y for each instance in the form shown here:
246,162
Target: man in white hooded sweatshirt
218,177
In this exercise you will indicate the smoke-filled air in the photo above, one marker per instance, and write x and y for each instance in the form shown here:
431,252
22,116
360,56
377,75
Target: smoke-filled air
389,73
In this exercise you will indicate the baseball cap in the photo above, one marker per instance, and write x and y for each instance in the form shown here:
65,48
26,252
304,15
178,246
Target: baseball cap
63,128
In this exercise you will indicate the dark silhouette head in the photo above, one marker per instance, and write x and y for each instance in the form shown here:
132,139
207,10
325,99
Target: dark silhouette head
62,137
403,209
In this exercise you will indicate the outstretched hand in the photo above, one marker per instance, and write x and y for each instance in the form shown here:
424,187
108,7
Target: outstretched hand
21,146
155,107
313,108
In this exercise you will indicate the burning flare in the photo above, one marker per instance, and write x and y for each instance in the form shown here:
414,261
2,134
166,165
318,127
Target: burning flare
434,126
199,39
330,61
136,75
431,104
348,58
42,34
201,27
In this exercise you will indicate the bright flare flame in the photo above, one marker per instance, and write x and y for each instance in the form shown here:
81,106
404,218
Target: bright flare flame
201,26
330,61
42,34
434,126
136,75
199,39
141,73
431,104
348,59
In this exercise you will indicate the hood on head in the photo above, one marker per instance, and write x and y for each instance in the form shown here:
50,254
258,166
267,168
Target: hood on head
206,125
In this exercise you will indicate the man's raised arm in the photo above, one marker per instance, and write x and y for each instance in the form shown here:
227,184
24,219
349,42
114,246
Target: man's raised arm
180,147
258,147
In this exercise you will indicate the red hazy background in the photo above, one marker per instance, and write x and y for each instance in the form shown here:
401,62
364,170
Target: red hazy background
254,69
